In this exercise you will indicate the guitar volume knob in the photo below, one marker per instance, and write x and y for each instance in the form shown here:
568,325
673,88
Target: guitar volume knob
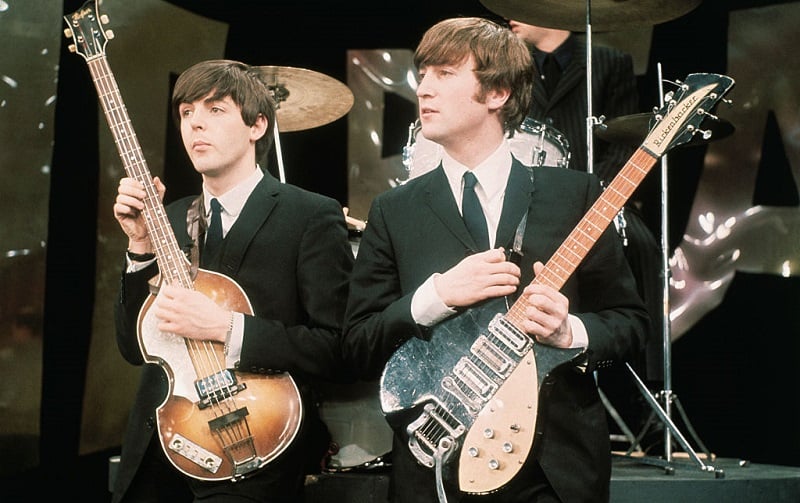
488,433
494,464
473,452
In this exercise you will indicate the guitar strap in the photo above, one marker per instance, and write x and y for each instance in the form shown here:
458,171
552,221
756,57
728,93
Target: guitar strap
196,227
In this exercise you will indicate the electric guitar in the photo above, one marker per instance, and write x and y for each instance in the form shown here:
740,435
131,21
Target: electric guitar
473,387
215,423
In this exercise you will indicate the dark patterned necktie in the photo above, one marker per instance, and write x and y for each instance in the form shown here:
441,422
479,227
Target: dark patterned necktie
214,232
473,213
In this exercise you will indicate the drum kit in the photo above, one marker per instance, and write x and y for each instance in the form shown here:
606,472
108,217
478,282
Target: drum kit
306,99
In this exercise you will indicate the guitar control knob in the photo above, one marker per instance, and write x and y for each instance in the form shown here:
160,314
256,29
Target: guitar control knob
494,464
473,452
507,447
488,433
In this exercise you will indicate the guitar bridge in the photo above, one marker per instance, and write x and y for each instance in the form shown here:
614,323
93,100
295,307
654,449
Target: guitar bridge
217,387
434,424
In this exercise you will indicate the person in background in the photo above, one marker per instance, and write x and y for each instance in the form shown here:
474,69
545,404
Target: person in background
437,246
286,248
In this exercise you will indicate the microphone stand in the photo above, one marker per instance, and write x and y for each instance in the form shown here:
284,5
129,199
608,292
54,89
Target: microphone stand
665,413
666,394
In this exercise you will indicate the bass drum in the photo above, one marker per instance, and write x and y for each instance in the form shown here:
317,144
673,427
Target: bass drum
536,144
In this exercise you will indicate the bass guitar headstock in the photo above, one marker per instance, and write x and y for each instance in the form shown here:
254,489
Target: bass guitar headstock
85,28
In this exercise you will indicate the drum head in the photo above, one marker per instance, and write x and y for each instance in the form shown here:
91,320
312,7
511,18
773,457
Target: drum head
535,144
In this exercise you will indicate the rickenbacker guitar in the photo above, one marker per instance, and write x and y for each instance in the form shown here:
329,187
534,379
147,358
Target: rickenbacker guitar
473,387
215,423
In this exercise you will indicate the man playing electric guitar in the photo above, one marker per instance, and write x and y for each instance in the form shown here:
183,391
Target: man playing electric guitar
420,266
287,249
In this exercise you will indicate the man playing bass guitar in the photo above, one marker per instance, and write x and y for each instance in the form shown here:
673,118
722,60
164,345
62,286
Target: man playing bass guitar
287,250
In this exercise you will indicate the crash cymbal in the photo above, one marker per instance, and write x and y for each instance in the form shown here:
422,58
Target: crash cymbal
305,99
631,130
606,15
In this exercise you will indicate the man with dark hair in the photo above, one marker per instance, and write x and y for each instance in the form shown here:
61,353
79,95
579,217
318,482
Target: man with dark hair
286,251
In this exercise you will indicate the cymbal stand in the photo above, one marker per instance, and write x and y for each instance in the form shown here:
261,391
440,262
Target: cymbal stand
666,394
279,152
591,120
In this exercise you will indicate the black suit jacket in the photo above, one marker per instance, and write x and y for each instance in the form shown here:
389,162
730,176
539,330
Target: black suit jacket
289,252
415,230
614,94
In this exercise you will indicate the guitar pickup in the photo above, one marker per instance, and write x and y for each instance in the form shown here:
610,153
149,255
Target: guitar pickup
474,378
217,387
491,356
512,337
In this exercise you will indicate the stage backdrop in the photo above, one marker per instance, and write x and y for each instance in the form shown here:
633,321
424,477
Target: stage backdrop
733,203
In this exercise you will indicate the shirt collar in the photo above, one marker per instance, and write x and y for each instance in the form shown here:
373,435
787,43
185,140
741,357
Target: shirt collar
492,173
233,201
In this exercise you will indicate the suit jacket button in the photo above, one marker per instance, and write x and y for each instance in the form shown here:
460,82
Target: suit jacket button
151,422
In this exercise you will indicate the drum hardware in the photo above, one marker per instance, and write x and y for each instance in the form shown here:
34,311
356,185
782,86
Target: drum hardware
631,130
304,99
606,15
568,15
537,144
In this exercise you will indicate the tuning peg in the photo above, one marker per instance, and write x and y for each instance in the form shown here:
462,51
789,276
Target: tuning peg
702,111
705,133
109,34
104,19
68,32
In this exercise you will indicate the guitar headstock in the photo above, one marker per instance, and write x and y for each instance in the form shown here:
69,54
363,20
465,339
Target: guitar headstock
685,109
84,27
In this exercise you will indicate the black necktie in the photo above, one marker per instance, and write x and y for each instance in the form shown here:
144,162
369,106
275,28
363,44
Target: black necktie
551,72
214,232
473,213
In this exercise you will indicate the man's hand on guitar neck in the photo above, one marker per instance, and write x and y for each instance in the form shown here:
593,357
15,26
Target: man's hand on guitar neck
547,314
129,212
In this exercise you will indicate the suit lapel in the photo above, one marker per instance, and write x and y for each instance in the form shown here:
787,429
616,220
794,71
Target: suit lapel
515,204
573,75
445,208
254,213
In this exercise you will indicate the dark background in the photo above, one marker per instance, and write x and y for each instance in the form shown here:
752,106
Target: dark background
735,376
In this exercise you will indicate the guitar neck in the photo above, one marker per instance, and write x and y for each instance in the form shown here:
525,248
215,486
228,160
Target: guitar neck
171,259
576,246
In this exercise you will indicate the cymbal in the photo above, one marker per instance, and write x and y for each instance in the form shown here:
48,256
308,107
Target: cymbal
304,98
606,15
631,130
